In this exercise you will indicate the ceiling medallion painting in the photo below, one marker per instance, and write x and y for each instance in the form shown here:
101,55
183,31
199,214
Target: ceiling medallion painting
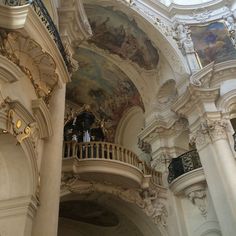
213,43
102,85
115,32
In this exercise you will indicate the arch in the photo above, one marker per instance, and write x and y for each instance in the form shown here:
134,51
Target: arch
25,147
227,103
129,127
16,172
122,209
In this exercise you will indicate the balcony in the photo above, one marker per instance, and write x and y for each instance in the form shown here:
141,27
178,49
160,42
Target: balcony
185,163
108,162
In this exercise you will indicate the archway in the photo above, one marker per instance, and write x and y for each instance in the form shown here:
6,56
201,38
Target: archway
17,204
124,218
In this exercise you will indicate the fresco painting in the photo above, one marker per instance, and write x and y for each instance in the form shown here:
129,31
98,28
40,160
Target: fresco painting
212,43
103,86
115,32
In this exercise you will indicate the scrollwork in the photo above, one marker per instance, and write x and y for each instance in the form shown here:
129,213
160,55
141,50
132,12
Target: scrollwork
147,200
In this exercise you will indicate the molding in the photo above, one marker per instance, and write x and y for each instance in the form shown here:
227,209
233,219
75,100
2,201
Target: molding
22,112
73,22
195,98
32,26
160,128
179,185
213,74
19,206
152,201
191,13
43,118
9,72
129,114
116,172
227,102
13,17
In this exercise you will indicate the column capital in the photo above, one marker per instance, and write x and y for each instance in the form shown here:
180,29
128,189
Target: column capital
209,131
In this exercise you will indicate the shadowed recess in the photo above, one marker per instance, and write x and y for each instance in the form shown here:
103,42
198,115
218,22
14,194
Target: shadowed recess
88,212
116,32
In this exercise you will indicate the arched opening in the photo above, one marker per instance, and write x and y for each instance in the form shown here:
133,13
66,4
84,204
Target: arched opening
16,188
128,129
102,214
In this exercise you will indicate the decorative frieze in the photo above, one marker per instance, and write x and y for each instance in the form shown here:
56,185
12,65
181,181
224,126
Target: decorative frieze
37,65
151,200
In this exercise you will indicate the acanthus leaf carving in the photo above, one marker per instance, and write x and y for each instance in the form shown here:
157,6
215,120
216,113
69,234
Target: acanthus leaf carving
209,131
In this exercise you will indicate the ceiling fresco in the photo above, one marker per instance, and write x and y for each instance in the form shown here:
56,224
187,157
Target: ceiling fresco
212,43
102,85
120,35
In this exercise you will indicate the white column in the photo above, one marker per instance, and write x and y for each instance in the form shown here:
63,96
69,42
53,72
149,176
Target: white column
46,221
220,170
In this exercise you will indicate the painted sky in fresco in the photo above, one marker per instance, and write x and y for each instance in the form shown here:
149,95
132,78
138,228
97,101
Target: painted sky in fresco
212,43
104,87
115,32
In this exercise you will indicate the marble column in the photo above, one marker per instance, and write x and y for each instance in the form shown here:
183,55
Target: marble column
220,170
46,221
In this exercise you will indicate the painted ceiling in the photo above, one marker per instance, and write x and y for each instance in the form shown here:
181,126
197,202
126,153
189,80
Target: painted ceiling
116,32
212,43
103,86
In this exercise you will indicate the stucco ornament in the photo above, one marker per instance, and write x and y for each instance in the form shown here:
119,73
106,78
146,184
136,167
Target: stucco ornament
148,200
182,34
198,198
209,131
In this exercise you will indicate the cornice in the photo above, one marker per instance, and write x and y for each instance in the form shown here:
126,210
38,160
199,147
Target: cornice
13,17
191,13
17,206
187,180
214,74
194,98
9,72
73,21
25,19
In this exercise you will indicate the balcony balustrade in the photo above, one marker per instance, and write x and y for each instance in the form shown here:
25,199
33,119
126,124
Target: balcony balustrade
40,9
96,160
185,163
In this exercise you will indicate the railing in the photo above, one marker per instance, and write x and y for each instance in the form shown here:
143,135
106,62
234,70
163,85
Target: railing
234,137
108,151
186,162
43,14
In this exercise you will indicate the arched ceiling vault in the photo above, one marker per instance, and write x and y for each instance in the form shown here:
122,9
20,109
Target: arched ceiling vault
120,63
165,44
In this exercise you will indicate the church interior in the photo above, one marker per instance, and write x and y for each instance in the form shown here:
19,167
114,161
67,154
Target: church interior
117,117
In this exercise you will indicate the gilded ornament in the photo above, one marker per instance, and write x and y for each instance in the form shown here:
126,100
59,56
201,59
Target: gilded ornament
18,124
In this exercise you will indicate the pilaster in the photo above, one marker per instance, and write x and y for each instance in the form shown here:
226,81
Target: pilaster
209,133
